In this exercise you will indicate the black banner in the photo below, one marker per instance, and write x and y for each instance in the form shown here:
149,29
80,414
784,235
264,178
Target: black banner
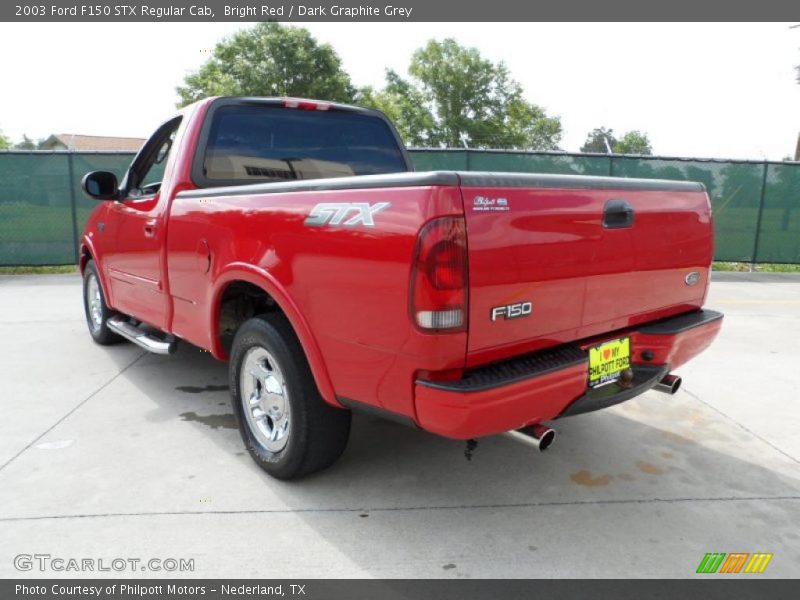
393,10
399,589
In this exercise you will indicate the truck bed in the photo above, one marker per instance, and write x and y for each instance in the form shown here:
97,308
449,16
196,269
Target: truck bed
350,285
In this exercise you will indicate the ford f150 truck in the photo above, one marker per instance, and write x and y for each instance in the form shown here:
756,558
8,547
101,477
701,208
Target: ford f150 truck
293,239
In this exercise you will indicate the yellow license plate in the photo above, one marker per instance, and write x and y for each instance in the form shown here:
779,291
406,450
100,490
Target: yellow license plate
608,360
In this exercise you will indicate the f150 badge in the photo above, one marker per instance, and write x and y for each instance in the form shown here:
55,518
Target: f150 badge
512,311
334,213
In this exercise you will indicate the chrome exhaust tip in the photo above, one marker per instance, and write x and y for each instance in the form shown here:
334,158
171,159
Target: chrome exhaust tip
538,436
669,385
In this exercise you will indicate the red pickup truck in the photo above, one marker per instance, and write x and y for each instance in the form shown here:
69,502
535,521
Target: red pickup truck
293,239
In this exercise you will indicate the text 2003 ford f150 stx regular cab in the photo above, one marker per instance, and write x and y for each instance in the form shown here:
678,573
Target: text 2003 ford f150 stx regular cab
291,238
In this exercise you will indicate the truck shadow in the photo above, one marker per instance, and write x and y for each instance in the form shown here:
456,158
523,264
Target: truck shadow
650,438
645,456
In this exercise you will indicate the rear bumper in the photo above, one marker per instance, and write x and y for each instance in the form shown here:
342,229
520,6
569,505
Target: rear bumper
552,383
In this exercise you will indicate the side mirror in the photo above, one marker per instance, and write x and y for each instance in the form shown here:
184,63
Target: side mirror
100,185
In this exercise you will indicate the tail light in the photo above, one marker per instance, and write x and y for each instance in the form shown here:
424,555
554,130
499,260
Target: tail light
439,276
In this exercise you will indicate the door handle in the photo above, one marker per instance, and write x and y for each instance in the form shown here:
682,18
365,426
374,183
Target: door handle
150,228
618,214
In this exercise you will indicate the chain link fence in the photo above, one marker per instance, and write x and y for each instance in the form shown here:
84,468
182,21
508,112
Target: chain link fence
756,204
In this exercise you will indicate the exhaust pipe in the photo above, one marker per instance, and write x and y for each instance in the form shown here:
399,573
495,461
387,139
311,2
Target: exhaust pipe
538,436
669,385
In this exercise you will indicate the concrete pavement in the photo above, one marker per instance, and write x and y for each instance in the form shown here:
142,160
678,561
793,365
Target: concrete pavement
107,452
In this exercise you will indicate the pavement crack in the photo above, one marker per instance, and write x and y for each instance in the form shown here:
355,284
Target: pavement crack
398,509
71,411
741,426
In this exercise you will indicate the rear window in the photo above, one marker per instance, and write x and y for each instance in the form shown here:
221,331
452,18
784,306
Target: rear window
248,143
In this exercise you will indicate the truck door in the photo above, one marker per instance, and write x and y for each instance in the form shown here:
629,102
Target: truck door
133,263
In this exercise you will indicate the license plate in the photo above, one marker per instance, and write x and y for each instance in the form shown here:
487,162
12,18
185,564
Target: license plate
608,360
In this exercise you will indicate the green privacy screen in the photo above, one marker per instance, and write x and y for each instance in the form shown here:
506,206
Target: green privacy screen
756,204
42,208
779,239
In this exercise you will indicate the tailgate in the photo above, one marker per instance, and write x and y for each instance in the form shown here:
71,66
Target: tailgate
554,259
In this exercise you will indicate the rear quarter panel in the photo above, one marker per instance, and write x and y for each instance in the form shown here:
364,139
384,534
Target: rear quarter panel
350,284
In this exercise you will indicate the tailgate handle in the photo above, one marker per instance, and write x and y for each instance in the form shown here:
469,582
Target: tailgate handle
617,214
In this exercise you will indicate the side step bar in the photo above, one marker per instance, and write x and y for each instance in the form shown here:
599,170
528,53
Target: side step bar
141,338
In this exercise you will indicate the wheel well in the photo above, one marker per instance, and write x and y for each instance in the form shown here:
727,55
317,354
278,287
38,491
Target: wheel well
240,301
85,257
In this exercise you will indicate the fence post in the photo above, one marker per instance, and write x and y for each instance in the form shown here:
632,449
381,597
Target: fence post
468,161
758,218
72,202
610,165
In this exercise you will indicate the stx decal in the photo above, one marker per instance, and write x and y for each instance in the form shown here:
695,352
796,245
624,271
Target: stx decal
512,311
715,562
334,213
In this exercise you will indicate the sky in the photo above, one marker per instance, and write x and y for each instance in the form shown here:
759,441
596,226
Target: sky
703,90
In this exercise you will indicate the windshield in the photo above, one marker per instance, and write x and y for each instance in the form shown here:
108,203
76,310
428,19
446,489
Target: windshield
249,143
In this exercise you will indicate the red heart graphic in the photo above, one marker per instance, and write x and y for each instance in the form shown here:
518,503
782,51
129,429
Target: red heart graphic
606,353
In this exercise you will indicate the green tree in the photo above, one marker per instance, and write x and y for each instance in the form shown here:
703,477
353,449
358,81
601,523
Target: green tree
4,141
270,60
633,142
599,140
455,97
405,105
26,144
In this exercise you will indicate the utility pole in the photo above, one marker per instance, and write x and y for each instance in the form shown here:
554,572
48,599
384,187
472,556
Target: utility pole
608,145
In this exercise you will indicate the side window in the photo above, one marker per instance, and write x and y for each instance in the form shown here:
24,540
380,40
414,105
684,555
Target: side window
145,175
153,176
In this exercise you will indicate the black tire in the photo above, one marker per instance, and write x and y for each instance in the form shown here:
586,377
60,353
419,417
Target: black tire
97,329
315,432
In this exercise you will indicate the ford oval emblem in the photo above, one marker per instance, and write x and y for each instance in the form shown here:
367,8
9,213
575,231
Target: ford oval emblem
692,278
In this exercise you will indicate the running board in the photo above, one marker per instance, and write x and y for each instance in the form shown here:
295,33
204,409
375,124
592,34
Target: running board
141,338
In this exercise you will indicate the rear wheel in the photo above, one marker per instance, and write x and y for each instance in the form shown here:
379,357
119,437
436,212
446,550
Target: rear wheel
95,307
286,426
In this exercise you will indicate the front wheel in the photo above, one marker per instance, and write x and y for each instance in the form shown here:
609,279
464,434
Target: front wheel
95,307
285,424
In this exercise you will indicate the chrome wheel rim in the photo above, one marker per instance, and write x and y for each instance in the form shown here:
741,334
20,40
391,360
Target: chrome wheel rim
94,302
265,400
